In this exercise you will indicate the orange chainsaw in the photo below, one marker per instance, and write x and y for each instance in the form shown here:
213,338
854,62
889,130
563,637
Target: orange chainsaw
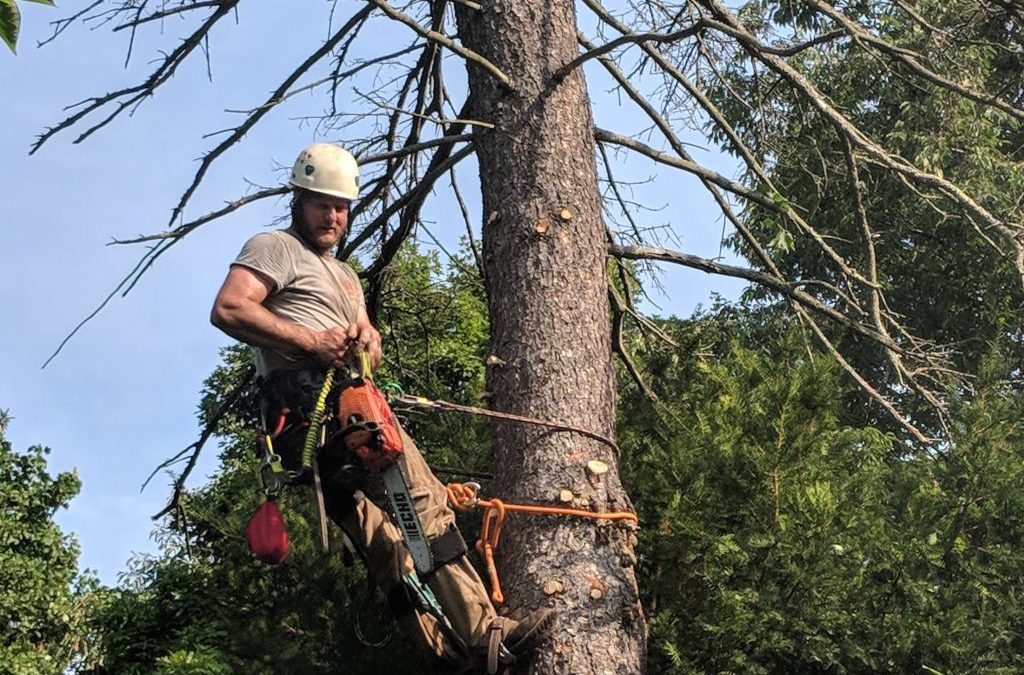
370,431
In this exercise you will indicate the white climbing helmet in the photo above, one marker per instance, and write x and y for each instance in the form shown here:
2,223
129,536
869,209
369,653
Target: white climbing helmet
328,169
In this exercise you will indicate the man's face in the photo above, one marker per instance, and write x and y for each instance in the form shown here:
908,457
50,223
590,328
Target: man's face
324,220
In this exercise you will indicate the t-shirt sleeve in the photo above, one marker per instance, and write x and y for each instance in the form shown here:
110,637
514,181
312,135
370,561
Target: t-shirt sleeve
267,254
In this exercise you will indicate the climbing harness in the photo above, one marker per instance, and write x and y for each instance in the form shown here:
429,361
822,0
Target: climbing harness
273,476
369,432
465,496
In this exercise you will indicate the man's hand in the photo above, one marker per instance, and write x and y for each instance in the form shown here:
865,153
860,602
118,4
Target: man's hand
330,347
362,334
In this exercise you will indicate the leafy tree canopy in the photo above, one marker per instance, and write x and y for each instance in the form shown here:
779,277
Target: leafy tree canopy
38,564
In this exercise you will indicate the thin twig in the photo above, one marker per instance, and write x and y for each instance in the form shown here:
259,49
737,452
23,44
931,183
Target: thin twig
243,387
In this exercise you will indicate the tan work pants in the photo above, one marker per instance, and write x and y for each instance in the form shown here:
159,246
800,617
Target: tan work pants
457,586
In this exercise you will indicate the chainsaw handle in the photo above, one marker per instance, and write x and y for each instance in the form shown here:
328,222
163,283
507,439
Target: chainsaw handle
364,364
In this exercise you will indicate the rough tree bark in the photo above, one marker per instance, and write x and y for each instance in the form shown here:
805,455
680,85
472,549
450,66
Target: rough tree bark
544,259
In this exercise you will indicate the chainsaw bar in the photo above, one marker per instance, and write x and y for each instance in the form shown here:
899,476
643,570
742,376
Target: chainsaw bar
397,491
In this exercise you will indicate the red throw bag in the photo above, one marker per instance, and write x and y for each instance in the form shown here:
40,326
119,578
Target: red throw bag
267,536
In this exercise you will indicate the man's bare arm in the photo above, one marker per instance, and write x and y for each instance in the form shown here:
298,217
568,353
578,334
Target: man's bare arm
238,311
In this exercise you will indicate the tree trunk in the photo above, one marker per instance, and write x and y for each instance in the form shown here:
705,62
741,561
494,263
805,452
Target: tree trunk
544,258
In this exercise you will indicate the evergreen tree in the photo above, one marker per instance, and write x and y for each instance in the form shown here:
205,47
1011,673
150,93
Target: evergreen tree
778,539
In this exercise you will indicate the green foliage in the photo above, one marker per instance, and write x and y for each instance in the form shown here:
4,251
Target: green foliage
38,564
883,555
434,322
10,21
777,539
203,661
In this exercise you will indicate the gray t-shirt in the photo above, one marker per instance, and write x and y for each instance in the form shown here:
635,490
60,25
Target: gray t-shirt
314,290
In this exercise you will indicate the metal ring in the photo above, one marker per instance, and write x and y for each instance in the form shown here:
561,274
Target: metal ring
475,487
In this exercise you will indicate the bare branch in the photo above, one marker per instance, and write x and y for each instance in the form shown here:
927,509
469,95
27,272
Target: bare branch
139,265
464,210
416,147
138,92
619,347
793,50
352,25
244,387
441,122
333,79
687,165
779,205
416,194
614,185
411,200
182,230
863,383
442,39
631,38
61,25
789,290
167,12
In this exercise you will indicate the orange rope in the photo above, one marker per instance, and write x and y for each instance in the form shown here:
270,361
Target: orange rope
464,497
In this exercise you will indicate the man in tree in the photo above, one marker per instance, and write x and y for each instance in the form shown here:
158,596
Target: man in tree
304,311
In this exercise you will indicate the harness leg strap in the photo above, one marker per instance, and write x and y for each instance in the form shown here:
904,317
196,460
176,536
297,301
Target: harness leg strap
447,547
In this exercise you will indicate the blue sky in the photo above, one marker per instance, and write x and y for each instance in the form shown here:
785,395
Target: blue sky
121,396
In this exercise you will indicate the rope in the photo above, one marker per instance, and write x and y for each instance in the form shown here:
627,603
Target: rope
473,410
315,420
463,496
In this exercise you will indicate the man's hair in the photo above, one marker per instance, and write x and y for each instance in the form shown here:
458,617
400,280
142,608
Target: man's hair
298,195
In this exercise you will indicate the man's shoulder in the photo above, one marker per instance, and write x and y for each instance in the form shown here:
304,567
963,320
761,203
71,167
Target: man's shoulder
272,238
274,243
